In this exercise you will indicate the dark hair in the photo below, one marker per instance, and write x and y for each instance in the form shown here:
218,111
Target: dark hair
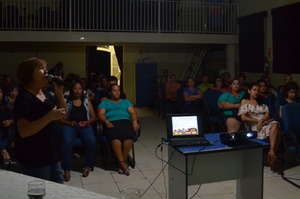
3,100
25,70
290,86
259,99
11,87
112,78
72,92
111,86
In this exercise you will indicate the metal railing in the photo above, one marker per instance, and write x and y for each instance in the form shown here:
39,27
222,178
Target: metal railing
119,15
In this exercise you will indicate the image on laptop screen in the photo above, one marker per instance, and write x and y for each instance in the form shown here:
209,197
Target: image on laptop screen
184,125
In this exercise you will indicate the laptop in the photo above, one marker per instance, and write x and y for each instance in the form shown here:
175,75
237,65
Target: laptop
185,130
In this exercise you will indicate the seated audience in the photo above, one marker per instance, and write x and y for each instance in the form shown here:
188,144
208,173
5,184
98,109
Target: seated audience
11,94
205,85
286,79
229,103
192,97
6,121
270,87
256,114
290,91
161,93
226,79
80,116
103,94
36,115
57,70
121,122
268,97
172,88
243,83
218,85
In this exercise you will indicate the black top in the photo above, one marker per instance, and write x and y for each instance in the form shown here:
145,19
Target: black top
43,148
78,113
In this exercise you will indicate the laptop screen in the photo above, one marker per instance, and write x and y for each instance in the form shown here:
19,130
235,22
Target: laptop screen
184,125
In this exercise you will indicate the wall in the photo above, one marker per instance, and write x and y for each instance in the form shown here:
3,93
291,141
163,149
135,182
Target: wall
73,57
169,57
248,7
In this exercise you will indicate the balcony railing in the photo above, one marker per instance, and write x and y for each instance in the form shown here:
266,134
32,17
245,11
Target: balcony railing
156,16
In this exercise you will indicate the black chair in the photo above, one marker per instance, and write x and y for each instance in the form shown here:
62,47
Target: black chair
106,150
213,114
291,136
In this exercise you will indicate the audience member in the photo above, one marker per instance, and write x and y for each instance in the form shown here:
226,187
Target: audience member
6,121
256,114
104,94
57,70
205,83
226,80
38,130
12,92
229,102
87,91
172,87
243,83
121,121
286,79
268,97
193,97
218,85
270,87
7,80
161,94
78,123
290,90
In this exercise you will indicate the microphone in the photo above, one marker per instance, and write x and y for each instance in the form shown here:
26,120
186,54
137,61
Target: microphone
56,80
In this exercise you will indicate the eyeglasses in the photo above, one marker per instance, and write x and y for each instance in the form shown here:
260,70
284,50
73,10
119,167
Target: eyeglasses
42,69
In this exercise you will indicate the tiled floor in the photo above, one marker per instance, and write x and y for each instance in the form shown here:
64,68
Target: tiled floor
152,181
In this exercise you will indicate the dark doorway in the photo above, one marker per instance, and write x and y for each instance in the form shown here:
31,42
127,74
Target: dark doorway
98,62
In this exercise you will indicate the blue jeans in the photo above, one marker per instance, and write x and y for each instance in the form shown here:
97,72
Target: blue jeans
53,172
3,143
69,137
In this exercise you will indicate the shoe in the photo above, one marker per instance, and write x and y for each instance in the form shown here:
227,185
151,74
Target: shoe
6,157
86,171
273,163
124,168
67,176
119,170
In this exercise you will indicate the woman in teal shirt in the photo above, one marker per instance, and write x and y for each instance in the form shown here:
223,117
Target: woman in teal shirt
120,119
229,103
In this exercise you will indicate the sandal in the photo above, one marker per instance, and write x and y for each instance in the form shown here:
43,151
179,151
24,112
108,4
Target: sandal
86,171
6,156
273,163
67,176
124,168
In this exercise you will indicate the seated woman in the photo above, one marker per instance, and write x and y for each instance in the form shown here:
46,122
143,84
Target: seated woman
268,97
6,121
290,91
254,112
192,97
229,102
80,116
120,119
218,85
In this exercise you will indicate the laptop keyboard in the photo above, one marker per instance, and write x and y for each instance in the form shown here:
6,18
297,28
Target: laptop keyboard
190,142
